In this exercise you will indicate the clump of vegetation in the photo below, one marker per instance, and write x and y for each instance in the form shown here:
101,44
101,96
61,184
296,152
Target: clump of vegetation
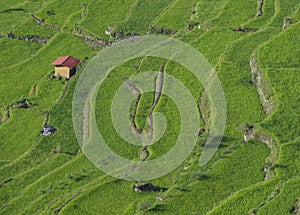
76,177
228,150
190,25
51,13
144,205
198,175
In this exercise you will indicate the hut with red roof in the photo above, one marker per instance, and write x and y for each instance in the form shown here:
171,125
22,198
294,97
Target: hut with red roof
65,66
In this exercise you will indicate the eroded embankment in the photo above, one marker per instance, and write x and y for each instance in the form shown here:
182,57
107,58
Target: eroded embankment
265,94
30,38
158,85
266,98
272,196
90,39
260,4
41,22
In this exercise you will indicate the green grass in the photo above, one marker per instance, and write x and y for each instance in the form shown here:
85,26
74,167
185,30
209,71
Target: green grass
288,161
208,10
38,66
62,180
168,108
231,183
100,14
8,21
102,199
268,13
57,13
146,100
30,27
47,93
282,51
243,105
235,13
32,158
10,4
176,16
283,123
284,9
247,199
9,191
103,111
284,202
142,15
24,133
214,42
14,13
61,119
15,51
248,44
238,170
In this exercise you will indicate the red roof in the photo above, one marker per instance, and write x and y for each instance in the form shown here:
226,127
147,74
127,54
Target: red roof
67,61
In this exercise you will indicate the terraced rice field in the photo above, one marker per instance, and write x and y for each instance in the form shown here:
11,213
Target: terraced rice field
254,50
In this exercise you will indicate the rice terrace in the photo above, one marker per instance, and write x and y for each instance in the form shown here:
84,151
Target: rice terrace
150,107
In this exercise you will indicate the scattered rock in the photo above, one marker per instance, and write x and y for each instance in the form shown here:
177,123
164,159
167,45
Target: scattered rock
160,30
29,38
5,181
264,92
159,198
90,39
3,206
109,30
287,22
144,154
41,22
57,150
248,133
259,8
23,103
47,130
240,29
296,209
4,114
147,187
200,131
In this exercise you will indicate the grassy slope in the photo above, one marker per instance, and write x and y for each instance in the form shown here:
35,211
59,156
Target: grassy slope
14,13
100,14
141,16
15,51
64,176
176,16
38,66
